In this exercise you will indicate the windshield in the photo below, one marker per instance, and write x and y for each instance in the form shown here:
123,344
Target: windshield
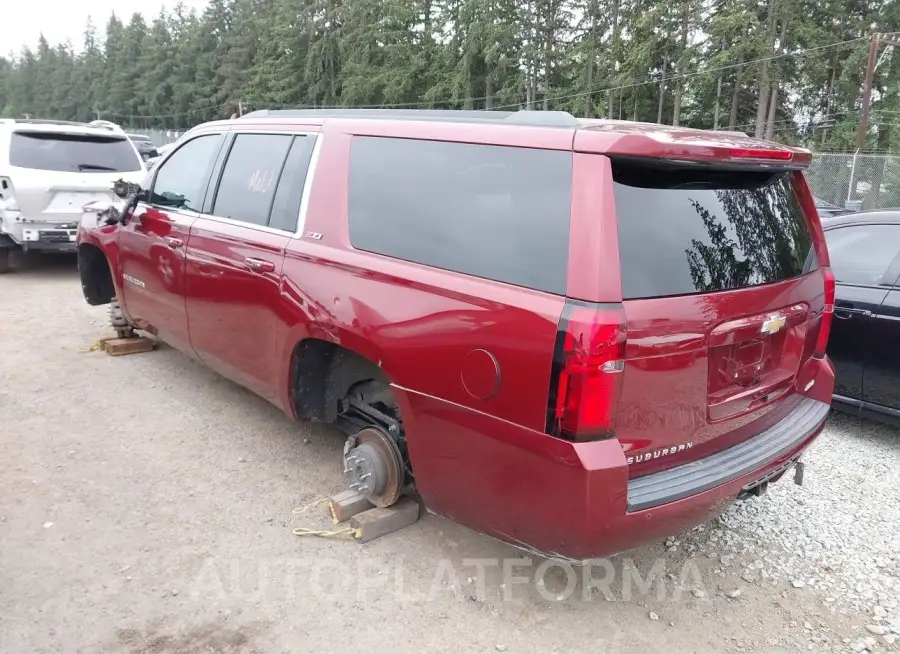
74,153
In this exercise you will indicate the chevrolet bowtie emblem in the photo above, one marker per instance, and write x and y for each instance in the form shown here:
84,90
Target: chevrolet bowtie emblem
773,324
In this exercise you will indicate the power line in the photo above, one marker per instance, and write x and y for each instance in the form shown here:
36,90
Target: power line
701,72
471,100
815,124
181,114
633,84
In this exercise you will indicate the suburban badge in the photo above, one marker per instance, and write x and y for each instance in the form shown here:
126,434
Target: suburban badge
666,451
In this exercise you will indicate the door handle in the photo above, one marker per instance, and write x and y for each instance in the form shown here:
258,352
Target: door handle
173,242
259,265
845,313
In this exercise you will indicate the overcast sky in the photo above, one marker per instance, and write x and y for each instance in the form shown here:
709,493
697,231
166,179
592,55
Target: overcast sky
60,20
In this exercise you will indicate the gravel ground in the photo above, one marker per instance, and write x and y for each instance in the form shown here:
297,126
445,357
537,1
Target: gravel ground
146,507
838,534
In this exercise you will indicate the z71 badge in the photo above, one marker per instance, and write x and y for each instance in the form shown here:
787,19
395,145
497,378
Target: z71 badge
134,280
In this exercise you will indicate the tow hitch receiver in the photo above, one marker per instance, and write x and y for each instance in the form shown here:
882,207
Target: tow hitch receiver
759,489
760,486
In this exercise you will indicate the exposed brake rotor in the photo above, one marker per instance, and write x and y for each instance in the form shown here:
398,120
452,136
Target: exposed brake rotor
374,467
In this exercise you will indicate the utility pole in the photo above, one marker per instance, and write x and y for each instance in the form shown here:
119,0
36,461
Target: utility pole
662,91
874,43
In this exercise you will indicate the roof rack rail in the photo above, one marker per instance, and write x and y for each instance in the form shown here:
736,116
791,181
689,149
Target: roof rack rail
522,117
48,121
96,124
543,118
393,114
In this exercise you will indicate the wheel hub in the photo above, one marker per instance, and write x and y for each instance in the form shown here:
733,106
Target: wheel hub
374,467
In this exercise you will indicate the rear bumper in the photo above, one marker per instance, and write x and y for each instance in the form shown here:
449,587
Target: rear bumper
33,235
575,500
728,465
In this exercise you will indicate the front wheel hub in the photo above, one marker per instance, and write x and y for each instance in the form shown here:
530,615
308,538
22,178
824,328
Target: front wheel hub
374,467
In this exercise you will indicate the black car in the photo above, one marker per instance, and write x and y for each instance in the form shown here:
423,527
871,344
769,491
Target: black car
864,344
828,210
144,146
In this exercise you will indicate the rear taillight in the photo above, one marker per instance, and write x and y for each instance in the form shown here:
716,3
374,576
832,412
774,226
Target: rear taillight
7,195
587,372
827,313
761,154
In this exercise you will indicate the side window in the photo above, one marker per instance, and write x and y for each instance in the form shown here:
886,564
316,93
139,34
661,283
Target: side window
286,207
181,181
861,254
501,213
250,176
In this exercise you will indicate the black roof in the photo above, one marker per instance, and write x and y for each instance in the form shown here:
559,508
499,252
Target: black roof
822,203
890,216
523,117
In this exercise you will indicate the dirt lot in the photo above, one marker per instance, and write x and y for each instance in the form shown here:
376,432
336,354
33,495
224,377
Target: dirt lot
146,506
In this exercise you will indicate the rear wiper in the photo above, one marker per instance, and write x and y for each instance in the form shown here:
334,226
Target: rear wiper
87,166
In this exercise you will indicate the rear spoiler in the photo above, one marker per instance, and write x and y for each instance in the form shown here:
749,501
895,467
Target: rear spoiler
692,147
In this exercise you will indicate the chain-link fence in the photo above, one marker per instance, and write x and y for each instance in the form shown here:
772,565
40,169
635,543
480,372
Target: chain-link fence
872,179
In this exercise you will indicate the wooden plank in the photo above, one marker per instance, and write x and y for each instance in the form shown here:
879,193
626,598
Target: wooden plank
119,346
378,522
346,504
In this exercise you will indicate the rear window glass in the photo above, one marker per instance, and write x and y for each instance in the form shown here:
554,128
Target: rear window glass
698,230
501,213
72,153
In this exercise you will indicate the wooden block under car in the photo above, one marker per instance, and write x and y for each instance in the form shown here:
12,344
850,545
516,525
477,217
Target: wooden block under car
119,346
346,504
380,521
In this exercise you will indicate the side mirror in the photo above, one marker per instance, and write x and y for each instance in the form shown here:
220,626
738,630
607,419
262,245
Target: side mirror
123,189
131,193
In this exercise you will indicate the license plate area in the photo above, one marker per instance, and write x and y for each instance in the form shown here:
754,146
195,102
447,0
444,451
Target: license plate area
753,360
73,201
49,235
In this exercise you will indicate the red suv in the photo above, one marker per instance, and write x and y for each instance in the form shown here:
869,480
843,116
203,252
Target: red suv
573,335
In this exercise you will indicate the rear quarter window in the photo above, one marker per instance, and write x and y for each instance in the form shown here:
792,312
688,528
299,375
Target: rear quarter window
250,177
500,213
74,153
698,230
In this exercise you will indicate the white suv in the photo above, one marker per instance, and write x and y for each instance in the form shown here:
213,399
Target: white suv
49,170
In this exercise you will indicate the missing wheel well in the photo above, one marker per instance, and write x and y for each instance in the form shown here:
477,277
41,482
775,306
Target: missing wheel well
323,374
96,279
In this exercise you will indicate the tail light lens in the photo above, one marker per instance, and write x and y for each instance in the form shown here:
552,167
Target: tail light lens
827,313
761,154
7,194
587,372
